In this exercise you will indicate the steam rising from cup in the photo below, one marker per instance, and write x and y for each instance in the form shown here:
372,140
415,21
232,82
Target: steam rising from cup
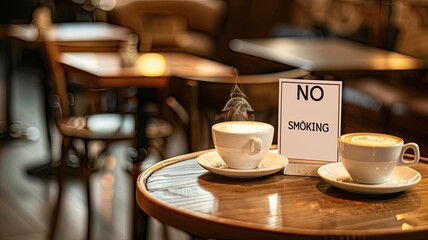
237,107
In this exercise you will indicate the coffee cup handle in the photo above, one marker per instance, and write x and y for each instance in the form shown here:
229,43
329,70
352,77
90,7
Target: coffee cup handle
407,162
255,145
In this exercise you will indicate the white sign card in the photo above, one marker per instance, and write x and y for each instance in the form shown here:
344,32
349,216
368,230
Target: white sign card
309,122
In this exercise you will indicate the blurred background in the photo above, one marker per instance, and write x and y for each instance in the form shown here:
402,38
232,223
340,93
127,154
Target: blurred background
395,104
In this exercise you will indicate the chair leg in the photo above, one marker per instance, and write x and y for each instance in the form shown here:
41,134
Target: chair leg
86,178
139,218
61,179
165,231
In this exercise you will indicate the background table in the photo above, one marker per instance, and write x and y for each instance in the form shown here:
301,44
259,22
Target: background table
74,35
182,194
69,32
327,55
105,70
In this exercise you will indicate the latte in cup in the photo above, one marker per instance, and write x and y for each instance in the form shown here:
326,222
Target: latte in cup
242,127
371,139
242,144
371,157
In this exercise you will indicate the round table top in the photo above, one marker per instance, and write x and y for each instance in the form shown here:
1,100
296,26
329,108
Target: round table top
182,194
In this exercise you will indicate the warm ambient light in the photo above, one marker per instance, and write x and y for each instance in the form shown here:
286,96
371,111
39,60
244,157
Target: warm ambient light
151,64
107,5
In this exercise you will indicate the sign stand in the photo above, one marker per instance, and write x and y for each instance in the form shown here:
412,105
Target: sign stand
309,123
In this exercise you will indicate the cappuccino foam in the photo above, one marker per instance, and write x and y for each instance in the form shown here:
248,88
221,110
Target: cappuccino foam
371,139
242,127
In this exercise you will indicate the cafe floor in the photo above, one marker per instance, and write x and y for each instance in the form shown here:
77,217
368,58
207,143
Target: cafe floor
27,201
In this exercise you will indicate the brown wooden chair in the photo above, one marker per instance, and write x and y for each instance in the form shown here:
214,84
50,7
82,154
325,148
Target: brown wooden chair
78,130
108,127
376,105
95,125
191,26
367,103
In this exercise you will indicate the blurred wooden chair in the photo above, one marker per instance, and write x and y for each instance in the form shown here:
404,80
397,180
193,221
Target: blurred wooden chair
191,26
199,102
108,127
410,18
389,103
380,105
81,128
411,115
368,102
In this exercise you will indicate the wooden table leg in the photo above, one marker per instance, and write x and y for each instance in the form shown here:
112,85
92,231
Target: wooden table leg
139,218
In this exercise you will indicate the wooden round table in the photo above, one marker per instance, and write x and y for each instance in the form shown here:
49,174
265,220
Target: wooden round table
180,193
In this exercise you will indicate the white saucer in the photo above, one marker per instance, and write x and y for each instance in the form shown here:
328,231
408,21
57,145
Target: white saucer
272,163
401,179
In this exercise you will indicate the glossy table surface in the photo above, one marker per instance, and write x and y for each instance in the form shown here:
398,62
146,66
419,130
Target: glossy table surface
326,54
70,32
105,69
182,194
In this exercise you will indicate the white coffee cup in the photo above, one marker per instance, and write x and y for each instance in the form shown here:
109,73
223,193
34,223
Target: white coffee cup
370,158
242,144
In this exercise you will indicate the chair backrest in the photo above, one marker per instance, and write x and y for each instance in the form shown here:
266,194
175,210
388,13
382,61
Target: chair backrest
190,25
204,100
411,20
58,75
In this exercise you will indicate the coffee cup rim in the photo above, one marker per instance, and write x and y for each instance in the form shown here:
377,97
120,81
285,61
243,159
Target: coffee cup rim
372,133
247,122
